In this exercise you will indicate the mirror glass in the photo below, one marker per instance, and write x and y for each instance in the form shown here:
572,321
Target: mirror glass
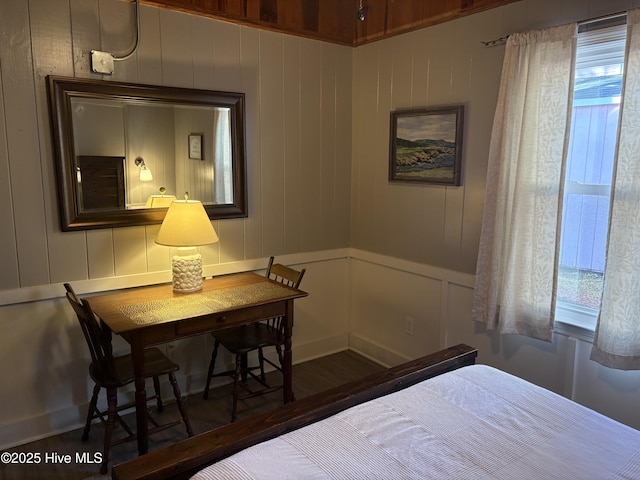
125,151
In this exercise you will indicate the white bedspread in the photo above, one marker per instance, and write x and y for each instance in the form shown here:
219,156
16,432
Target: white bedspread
473,423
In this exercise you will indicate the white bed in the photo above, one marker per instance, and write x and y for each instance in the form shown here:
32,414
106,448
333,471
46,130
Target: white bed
440,416
472,423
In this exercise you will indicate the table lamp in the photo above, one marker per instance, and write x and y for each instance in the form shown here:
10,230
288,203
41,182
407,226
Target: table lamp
160,201
186,226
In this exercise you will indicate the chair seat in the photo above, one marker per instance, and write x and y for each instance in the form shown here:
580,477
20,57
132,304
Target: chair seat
246,338
156,363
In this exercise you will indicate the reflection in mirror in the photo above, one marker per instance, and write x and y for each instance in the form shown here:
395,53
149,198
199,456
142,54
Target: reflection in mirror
125,151
155,136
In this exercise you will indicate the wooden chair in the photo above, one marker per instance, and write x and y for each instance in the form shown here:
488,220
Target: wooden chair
240,341
112,372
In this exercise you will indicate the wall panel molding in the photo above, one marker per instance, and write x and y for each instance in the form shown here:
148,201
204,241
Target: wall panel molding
98,285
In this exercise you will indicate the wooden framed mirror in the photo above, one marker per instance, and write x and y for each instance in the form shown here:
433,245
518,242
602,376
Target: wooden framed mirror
147,145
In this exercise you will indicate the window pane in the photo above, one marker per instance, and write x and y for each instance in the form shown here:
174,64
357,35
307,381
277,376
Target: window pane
580,287
592,144
583,249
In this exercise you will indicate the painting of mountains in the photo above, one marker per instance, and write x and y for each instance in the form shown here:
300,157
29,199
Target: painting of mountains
426,145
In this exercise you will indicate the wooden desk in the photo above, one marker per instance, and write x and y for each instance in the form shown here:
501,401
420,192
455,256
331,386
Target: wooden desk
151,315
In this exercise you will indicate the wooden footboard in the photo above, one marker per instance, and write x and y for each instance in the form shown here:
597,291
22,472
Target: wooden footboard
185,458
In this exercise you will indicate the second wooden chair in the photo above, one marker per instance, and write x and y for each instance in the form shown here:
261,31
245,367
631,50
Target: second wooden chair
240,341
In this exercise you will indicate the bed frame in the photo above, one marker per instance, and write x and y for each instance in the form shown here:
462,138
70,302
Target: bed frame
183,459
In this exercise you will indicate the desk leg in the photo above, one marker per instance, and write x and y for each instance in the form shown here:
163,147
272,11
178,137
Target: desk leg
244,364
137,357
287,369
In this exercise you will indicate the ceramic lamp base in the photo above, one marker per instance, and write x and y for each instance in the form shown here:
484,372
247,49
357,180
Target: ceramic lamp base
187,272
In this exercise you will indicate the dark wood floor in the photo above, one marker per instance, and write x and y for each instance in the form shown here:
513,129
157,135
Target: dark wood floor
309,378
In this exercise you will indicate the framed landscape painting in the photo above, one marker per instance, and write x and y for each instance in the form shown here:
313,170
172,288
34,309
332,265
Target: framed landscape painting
426,145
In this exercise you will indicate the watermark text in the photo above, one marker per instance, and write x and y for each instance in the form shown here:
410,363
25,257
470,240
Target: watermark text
32,458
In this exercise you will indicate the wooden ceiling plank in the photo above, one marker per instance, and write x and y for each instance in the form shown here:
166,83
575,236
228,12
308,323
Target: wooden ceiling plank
337,19
230,7
374,24
311,15
269,11
404,13
334,20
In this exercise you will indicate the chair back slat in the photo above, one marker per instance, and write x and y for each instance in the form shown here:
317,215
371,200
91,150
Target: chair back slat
287,276
97,339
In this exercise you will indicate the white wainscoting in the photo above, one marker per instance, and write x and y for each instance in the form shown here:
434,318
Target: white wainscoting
386,290
357,300
50,386
387,293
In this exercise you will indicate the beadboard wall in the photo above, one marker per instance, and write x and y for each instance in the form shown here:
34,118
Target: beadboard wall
415,236
298,143
298,125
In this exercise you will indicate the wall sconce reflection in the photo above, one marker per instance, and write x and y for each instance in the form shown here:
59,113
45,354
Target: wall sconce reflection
145,173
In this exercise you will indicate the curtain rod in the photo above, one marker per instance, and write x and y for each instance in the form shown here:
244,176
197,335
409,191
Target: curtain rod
603,18
496,42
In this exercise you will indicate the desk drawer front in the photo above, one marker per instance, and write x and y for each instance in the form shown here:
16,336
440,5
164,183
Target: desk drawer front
228,319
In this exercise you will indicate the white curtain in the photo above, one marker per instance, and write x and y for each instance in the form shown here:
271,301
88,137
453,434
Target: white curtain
617,339
222,164
516,270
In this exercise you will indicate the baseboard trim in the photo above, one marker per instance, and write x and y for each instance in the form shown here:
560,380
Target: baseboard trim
375,352
73,417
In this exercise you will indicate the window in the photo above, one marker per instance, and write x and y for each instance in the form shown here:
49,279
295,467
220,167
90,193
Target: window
590,158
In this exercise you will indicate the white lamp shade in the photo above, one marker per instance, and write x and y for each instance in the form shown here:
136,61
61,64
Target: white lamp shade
159,201
145,174
186,224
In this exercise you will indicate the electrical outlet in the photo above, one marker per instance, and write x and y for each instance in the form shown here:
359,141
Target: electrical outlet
408,325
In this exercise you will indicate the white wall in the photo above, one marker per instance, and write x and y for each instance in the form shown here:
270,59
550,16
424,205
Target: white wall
298,143
298,121
416,246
